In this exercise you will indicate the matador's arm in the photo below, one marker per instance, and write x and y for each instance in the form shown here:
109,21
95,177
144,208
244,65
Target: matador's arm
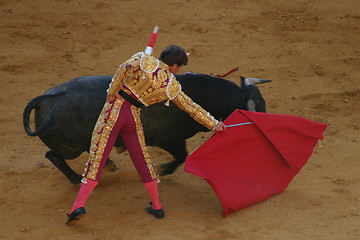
199,114
122,73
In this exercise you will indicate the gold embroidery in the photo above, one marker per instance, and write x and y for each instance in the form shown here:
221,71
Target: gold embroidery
100,136
194,110
140,133
150,87
173,88
148,63
124,71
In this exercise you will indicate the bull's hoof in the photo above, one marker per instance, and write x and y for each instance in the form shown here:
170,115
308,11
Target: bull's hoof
168,168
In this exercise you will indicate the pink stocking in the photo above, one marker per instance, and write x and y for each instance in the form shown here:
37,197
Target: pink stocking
152,189
84,192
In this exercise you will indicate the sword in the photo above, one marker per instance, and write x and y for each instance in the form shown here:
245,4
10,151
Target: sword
239,124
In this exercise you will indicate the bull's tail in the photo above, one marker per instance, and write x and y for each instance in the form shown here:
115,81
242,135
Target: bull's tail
33,104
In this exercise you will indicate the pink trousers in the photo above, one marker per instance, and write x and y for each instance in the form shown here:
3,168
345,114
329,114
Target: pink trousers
128,125
132,134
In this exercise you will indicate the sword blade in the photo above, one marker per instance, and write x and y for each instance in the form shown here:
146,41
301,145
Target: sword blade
239,124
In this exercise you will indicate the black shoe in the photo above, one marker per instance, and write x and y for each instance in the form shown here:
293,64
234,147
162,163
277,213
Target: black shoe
75,216
156,213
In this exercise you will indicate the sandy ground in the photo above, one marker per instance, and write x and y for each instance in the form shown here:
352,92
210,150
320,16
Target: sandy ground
310,49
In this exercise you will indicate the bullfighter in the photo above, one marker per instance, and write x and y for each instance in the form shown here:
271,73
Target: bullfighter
141,81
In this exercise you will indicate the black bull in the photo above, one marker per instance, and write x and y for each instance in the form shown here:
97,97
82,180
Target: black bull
66,114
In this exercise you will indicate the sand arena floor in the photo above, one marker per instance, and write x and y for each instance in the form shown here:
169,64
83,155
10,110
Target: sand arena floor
310,49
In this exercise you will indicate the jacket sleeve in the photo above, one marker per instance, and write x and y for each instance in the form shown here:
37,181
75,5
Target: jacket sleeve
124,70
203,117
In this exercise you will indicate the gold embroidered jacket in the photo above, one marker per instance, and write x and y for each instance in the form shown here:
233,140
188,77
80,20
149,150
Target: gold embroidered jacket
151,81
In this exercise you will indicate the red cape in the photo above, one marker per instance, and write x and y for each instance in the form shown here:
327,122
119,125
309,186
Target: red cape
248,164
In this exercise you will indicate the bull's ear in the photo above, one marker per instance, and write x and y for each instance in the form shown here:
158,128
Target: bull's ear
251,105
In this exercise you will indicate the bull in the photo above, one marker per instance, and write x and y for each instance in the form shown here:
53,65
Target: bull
66,114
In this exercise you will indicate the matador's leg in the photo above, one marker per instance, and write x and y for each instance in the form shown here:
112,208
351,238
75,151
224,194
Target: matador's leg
133,135
104,136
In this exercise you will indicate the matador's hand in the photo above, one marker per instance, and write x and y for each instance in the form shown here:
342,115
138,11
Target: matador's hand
219,127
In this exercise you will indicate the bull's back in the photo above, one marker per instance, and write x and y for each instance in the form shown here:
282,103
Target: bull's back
72,114
217,95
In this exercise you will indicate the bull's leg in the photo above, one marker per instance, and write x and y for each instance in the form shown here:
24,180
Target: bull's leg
178,151
61,164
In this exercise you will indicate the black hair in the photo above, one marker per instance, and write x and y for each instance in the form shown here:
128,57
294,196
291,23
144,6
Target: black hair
173,54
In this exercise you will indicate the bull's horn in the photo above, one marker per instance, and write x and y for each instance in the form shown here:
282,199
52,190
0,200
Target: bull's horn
251,105
249,81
